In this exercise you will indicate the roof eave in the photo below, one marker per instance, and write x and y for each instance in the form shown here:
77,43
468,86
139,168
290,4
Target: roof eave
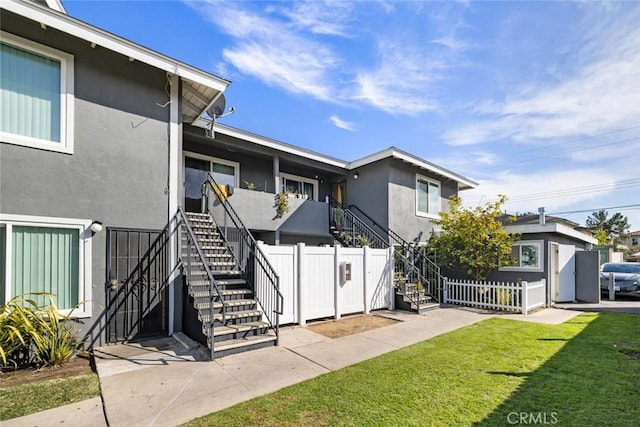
550,228
463,183
60,21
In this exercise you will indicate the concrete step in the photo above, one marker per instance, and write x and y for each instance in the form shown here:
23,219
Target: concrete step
240,328
196,214
232,305
198,263
234,317
219,282
426,307
227,294
228,347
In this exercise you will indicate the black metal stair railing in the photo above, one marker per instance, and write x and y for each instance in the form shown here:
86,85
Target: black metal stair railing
351,230
250,259
429,270
409,280
192,256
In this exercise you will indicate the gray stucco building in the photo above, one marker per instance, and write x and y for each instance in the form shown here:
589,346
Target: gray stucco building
102,141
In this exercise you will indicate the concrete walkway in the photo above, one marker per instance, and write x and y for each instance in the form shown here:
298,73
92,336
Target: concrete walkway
168,381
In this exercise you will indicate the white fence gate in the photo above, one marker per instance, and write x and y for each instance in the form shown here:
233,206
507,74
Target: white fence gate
311,283
515,296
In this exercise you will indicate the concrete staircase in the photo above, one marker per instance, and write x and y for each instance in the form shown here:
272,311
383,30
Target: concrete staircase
237,317
411,296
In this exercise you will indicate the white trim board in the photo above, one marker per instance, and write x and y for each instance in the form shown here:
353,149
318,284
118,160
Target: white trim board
551,228
99,37
85,264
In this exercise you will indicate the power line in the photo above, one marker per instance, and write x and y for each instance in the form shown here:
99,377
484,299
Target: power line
576,140
620,208
574,150
617,185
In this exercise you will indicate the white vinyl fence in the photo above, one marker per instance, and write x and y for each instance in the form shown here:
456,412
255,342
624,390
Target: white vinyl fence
313,286
514,296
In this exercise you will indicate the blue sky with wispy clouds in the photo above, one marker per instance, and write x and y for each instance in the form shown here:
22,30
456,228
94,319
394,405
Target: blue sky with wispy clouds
536,100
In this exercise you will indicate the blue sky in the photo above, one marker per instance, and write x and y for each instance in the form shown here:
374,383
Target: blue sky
539,101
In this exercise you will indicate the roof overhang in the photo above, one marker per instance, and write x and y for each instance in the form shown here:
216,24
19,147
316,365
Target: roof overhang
199,89
392,152
551,228
275,145
56,5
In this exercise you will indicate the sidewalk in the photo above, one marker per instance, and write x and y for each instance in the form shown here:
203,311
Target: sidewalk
165,383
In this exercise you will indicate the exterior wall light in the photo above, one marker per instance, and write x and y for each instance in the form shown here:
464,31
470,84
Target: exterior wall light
95,227
356,175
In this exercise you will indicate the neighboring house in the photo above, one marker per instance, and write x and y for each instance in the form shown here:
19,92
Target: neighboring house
633,239
633,242
554,249
92,186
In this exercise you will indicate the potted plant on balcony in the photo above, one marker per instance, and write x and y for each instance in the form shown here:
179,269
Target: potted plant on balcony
337,218
281,204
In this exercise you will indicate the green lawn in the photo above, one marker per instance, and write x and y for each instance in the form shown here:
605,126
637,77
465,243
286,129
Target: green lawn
26,399
584,372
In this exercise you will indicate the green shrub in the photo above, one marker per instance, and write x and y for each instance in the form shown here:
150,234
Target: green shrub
30,333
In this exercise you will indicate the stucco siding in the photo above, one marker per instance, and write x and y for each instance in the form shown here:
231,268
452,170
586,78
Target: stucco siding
402,201
370,192
119,169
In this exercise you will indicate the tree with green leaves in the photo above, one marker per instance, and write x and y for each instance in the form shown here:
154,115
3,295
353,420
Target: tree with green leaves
601,236
616,227
473,240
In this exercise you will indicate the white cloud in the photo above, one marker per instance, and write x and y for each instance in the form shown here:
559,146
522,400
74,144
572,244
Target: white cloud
401,83
342,124
552,189
267,50
602,95
295,69
451,42
279,46
320,17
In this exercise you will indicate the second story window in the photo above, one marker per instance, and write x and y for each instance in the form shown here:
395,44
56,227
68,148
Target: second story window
36,95
292,184
427,197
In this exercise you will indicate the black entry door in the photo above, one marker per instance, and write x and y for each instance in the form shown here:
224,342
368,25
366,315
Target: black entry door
137,275
195,174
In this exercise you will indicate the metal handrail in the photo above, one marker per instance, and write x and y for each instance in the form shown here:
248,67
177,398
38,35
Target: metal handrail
363,230
254,253
430,268
406,264
213,287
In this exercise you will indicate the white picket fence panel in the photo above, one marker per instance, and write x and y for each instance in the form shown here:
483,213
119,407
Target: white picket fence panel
504,296
311,285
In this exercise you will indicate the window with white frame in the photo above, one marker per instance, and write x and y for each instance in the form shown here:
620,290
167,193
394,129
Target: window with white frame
528,255
36,95
292,184
225,172
50,255
427,197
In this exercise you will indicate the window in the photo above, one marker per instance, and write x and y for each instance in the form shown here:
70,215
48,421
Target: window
46,255
528,255
225,172
298,185
36,95
427,197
